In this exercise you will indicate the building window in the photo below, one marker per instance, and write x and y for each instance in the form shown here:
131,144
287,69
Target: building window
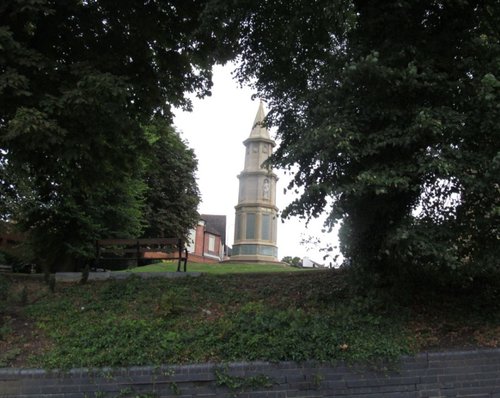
237,227
268,251
250,232
192,241
211,243
248,250
266,227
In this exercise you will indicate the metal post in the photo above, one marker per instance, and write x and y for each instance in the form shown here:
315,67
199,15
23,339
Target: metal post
138,253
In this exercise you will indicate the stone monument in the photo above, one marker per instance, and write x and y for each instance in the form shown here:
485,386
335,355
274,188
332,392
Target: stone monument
255,230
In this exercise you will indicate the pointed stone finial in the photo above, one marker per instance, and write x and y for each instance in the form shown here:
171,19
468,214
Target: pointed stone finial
259,130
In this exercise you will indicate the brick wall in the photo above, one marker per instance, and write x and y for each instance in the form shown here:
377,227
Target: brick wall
452,374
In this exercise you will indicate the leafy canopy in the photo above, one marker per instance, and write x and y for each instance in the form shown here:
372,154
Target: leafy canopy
79,80
392,110
172,192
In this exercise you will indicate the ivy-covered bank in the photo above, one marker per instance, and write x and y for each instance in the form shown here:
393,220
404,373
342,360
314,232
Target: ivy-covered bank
316,315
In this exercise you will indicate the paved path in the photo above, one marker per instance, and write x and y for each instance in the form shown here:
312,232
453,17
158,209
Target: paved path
102,276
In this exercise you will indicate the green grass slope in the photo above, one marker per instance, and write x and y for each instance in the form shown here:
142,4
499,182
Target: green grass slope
217,268
246,316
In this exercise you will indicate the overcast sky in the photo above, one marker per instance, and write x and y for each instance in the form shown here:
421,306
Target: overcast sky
216,130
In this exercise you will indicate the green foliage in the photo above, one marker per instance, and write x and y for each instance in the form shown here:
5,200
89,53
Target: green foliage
239,384
293,261
18,258
219,318
108,343
172,193
216,318
389,113
256,332
79,81
5,330
175,388
116,292
4,287
7,356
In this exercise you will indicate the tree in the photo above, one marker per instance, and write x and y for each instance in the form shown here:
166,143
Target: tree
172,192
391,109
293,261
78,81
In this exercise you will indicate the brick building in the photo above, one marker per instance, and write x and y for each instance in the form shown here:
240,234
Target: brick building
208,239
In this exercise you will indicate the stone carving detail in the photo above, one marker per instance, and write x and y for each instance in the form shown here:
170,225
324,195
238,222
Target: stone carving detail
266,189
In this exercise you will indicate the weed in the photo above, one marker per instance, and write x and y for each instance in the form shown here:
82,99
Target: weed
24,296
4,287
168,372
171,303
8,356
5,327
4,292
125,392
106,374
175,388
129,392
238,384
52,283
85,275
317,379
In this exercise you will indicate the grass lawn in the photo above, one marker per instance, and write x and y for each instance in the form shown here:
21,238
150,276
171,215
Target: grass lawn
225,268
237,316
